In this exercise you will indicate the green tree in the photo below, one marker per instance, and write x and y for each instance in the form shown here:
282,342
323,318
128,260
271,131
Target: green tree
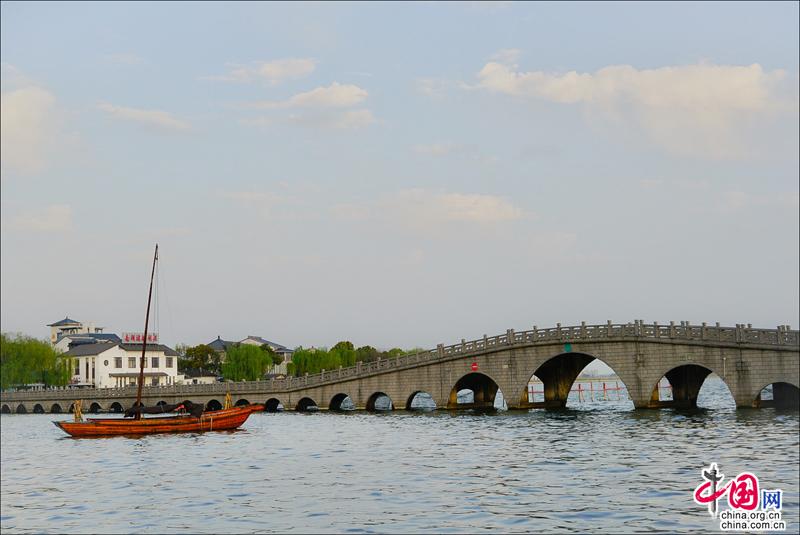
25,360
246,362
276,359
200,357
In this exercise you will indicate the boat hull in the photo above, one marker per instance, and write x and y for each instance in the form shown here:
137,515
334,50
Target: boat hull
221,420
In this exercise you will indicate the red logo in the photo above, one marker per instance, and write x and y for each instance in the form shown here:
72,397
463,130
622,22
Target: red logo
474,366
742,491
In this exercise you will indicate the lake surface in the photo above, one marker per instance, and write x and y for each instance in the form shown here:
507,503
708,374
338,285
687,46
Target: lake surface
597,466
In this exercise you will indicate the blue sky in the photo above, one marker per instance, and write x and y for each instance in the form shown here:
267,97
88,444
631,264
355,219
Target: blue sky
398,174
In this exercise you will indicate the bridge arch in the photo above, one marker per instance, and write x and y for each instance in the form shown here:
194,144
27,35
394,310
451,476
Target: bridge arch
686,379
785,395
213,405
273,405
5,409
116,407
55,408
160,403
242,402
420,400
306,404
484,389
557,375
94,408
339,403
374,406
21,409
38,409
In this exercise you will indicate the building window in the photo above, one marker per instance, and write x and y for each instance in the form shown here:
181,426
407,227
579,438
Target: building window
77,367
155,362
169,362
131,362
118,362
154,380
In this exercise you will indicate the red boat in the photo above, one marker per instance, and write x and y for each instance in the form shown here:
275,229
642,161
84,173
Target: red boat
134,424
220,420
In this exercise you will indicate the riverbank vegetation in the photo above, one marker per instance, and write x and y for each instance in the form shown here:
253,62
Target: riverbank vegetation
344,354
26,361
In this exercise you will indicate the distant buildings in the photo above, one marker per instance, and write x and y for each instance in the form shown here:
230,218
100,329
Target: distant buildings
115,365
68,327
222,346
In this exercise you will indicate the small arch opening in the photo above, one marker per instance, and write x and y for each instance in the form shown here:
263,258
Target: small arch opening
273,405
21,409
691,386
306,405
38,409
476,391
55,408
94,408
341,403
379,402
162,402
420,401
5,409
242,402
115,407
779,395
213,405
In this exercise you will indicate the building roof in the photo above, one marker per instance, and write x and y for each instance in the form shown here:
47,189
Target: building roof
221,345
168,351
88,338
263,341
65,321
82,350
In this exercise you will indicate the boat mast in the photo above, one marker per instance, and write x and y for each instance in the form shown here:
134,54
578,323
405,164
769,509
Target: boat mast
138,414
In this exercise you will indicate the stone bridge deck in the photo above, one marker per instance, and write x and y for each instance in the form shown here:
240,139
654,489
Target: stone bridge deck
747,359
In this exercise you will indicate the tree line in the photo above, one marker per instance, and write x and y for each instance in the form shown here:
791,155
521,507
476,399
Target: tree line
26,361
251,362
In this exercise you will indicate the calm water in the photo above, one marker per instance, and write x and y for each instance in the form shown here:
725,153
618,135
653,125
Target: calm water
598,466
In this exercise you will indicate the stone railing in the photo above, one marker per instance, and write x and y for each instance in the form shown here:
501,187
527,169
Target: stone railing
742,334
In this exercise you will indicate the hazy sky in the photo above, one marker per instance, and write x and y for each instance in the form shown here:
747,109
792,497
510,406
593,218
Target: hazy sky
398,174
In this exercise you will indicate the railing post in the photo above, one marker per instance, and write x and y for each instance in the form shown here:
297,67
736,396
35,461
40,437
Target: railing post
583,329
358,368
463,345
672,329
440,350
535,334
485,341
608,327
558,330
510,336
703,330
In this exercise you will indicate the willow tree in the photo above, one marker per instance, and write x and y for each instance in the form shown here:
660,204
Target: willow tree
25,360
246,362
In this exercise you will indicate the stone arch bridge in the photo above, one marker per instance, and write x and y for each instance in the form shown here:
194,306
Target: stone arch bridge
747,360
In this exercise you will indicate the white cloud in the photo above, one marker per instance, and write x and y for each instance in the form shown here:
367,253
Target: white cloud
420,206
692,108
432,87
335,95
157,118
26,127
54,218
271,72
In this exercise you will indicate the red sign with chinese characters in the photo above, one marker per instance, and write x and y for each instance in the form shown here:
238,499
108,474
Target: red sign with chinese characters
474,366
133,338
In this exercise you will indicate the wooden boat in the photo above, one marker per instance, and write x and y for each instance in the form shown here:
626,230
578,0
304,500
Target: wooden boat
221,420
134,424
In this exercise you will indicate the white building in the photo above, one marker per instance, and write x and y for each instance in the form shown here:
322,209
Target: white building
113,365
68,326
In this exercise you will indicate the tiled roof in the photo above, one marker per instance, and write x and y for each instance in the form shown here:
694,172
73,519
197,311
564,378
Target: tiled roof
84,338
65,321
168,351
263,341
221,345
89,349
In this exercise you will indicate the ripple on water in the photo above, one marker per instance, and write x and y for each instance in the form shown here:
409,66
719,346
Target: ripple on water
597,467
